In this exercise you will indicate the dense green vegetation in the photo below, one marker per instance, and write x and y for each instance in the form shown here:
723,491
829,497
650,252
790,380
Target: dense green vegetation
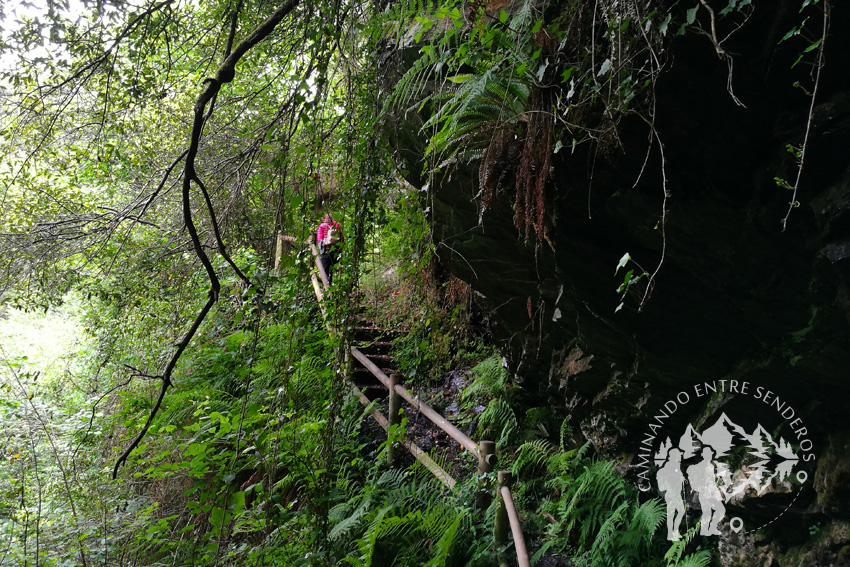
152,152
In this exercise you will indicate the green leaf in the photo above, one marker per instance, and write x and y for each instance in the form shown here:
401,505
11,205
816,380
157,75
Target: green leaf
626,282
195,449
503,16
813,46
794,31
623,261
236,503
219,517
460,79
691,15
731,6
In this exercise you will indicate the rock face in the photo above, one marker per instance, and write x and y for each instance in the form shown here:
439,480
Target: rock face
728,295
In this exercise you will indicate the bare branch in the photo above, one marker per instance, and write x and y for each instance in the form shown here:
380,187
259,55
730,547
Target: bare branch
226,73
820,63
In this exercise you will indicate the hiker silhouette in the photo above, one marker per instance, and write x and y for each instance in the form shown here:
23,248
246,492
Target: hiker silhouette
702,477
671,482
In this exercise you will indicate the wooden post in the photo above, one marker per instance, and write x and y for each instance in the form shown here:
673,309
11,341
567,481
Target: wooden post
486,461
502,526
414,449
394,416
278,253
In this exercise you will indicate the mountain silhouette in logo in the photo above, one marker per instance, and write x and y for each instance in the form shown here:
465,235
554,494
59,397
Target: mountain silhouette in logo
762,443
690,442
765,460
722,435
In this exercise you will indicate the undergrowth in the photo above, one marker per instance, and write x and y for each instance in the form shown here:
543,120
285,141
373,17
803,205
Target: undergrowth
404,289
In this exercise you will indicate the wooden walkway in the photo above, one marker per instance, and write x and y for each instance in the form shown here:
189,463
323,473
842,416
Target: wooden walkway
373,377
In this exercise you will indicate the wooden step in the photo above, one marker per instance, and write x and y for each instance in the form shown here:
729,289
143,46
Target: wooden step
380,359
374,347
360,374
373,334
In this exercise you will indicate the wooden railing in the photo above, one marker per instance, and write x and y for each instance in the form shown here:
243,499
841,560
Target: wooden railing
414,449
506,516
484,451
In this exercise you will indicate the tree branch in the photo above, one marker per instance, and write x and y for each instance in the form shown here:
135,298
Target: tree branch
226,73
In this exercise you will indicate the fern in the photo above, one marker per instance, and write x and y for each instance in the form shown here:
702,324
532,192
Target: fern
646,518
531,455
445,543
605,543
674,558
599,510
589,500
564,432
467,108
400,519
699,559
489,378
498,421
480,106
347,524
412,83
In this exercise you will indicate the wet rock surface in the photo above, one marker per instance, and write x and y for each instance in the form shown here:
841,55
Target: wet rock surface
733,295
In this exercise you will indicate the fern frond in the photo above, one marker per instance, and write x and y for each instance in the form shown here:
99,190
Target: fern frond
646,519
701,558
531,455
392,478
674,554
499,421
347,524
445,543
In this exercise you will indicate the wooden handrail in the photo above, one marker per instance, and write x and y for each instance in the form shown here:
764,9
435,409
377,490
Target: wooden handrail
417,404
507,508
414,449
319,295
516,528
484,452
319,265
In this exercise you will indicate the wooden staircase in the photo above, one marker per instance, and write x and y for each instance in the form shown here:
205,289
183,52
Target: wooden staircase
372,369
376,343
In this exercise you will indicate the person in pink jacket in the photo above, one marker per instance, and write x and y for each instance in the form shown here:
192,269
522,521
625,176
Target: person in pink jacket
329,239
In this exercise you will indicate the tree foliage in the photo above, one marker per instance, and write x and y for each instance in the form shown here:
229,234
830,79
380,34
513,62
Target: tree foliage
151,152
